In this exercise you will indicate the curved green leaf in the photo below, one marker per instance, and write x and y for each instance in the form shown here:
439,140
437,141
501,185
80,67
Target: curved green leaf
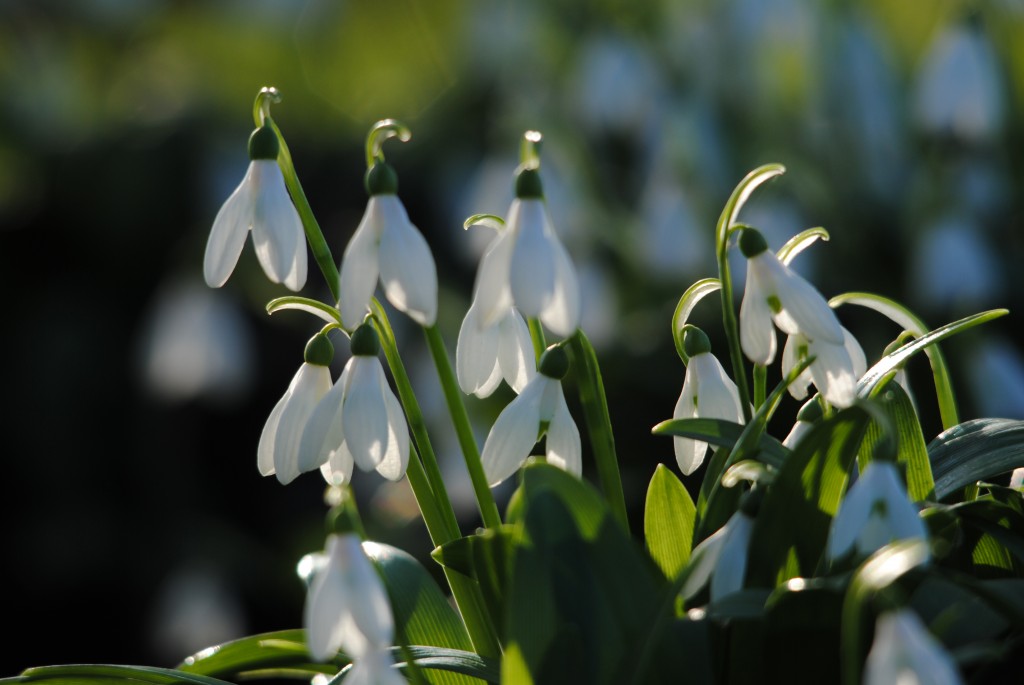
103,674
910,447
669,517
694,294
723,433
305,304
281,649
452,661
975,450
739,197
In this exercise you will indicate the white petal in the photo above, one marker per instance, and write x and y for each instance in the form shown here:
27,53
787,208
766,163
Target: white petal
337,470
370,607
514,433
757,334
832,371
790,357
718,397
376,667
311,383
265,451
703,560
323,432
532,272
275,222
296,277
396,459
365,415
732,562
854,512
515,351
476,356
856,352
327,607
904,651
227,237
359,267
407,269
689,452
804,310
562,315
796,434
564,449
491,292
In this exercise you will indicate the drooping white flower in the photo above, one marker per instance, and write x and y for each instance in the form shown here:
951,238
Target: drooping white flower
905,652
707,393
347,606
261,204
278,451
776,293
520,424
875,512
486,354
387,246
374,667
834,371
1017,478
358,422
722,558
527,266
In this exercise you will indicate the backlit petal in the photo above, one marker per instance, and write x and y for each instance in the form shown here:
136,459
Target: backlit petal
515,351
365,415
689,452
359,267
532,272
396,458
275,223
514,433
491,292
564,449
227,237
407,269
312,383
757,334
562,315
476,356
731,568
323,432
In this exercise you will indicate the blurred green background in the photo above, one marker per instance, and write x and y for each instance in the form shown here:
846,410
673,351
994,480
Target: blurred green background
139,529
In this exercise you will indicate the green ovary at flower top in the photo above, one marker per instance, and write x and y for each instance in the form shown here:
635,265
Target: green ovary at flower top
259,204
518,427
775,292
388,246
527,266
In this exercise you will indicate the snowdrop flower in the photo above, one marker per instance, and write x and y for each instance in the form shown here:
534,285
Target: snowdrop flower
388,246
358,422
722,557
775,292
905,652
347,606
707,393
808,415
539,409
528,266
278,451
875,512
1017,478
834,371
261,204
486,354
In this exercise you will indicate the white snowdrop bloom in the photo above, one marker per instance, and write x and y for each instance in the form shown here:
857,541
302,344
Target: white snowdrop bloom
904,652
1017,478
261,204
374,667
347,606
387,246
486,354
954,266
527,266
278,451
775,292
707,393
722,558
875,511
539,408
834,371
358,422
958,90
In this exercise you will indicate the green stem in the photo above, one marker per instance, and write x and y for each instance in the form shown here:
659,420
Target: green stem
457,409
599,424
537,336
760,378
732,331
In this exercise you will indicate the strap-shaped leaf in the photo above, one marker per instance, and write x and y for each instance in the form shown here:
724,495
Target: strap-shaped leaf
103,674
281,649
669,517
911,449
975,450
723,433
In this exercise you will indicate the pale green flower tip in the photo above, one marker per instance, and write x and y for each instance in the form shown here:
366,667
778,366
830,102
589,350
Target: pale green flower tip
381,179
319,350
554,363
810,412
528,185
365,342
752,243
263,144
341,522
695,341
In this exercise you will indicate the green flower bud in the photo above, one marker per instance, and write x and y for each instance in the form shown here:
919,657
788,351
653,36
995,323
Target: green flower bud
319,350
554,363
752,243
381,179
695,342
365,342
263,143
528,185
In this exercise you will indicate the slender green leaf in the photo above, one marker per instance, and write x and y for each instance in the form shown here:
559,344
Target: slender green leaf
103,674
452,661
282,649
975,450
723,433
669,517
739,197
911,450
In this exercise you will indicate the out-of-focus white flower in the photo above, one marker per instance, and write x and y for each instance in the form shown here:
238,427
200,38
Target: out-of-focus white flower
875,512
261,204
775,292
996,378
808,415
374,667
388,246
486,354
834,371
347,606
958,90
523,421
1017,478
954,266
707,393
722,558
527,266
278,451
358,421
905,652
